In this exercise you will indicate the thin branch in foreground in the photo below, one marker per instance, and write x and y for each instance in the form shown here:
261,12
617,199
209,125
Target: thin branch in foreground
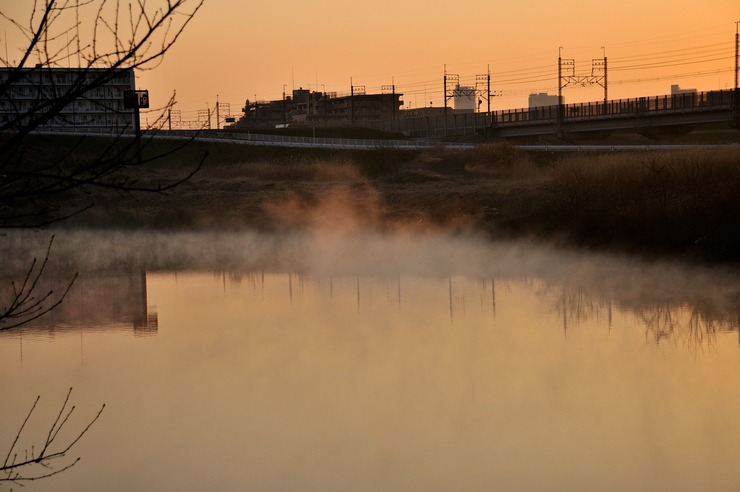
27,304
36,465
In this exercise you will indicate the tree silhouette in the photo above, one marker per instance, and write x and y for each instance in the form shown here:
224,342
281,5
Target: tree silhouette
104,38
37,183
43,459
25,302
113,37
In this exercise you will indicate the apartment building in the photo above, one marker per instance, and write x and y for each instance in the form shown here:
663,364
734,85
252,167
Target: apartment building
28,92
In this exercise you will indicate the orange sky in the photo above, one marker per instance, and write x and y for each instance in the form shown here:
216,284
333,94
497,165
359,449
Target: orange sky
240,50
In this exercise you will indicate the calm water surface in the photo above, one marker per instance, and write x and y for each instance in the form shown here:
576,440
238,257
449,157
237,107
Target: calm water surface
363,363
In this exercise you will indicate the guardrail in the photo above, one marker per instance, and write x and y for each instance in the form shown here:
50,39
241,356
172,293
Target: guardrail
376,144
274,140
294,141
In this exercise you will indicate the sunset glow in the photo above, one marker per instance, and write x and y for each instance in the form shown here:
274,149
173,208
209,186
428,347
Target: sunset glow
237,50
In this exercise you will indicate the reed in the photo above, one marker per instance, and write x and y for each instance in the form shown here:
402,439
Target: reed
664,201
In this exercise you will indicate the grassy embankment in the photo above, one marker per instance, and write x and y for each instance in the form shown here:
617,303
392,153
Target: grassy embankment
681,203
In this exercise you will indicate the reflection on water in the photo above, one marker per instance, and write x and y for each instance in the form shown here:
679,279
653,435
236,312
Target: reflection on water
385,364
120,302
95,303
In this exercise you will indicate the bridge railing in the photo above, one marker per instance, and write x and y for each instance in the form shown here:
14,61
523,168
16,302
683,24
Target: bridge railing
675,103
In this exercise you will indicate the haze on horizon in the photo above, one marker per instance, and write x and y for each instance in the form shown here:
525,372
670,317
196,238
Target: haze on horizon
240,50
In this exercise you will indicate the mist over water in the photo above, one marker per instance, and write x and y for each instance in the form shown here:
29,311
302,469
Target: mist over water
619,279
341,359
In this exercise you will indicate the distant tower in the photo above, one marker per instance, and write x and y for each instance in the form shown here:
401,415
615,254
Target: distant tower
464,99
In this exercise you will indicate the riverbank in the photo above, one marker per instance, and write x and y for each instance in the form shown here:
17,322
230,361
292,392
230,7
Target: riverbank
677,203
674,203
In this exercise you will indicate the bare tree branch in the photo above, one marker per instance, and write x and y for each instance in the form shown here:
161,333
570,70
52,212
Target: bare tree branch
26,303
136,39
39,462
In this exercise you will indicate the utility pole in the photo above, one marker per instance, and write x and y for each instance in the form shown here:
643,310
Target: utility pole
385,89
488,77
205,115
354,89
598,76
175,114
451,77
737,52
560,88
445,89
485,81
169,112
218,119
606,85
393,94
285,115
736,92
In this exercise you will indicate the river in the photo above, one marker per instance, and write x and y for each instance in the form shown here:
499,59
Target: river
338,362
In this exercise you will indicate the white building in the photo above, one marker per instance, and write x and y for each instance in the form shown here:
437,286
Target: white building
33,90
464,99
543,99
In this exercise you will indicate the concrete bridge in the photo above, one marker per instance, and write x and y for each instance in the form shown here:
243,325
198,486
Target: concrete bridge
646,115
643,115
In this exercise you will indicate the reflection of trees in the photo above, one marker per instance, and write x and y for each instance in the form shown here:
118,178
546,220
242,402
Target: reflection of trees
576,307
683,324
693,324
661,322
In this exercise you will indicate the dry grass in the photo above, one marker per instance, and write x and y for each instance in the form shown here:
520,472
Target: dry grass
311,170
659,201
500,160
673,201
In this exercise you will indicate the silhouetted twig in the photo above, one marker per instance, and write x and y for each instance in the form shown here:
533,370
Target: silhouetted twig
27,303
36,463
